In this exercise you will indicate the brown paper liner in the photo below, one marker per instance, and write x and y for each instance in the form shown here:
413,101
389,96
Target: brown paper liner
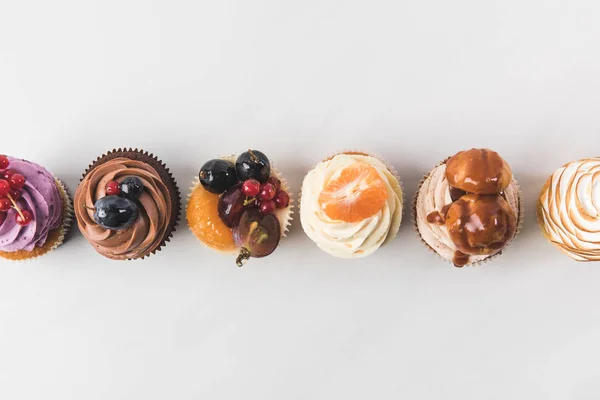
389,167
166,177
56,237
471,264
283,215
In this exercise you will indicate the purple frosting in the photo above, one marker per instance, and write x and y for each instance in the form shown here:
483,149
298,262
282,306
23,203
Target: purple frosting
40,196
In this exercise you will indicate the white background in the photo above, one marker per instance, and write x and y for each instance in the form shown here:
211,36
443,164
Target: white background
414,81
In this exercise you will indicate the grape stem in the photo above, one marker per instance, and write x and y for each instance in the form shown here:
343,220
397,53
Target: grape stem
15,206
243,257
249,201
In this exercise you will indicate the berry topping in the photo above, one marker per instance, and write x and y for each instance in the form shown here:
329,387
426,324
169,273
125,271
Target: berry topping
266,207
17,181
7,174
5,204
257,234
275,182
253,164
251,187
217,176
2,217
113,188
15,194
24,217
115,212
4,163
132,187
267,192
232,204
282,199
4,187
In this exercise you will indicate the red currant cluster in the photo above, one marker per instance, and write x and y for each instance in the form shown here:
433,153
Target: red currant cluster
11,184
269,196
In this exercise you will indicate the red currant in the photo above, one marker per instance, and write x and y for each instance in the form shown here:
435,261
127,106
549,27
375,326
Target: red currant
251,187
4,187
113,188
25,218
15,194
267,192
282,199
2,217
275,182
4,163
5,204
267,207
17,181
7,174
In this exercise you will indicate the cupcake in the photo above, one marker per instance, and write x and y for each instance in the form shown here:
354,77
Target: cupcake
568,209
468,208
127,204
240,205
35,210
351,204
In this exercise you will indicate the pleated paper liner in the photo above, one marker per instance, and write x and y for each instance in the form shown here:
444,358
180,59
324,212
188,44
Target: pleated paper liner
485,260
164,174
389,167
283,215
56,237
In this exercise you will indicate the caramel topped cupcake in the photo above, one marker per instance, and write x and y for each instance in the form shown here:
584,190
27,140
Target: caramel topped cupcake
468,208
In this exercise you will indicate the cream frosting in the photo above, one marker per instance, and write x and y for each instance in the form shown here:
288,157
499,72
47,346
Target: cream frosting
344,239
569,208
433,195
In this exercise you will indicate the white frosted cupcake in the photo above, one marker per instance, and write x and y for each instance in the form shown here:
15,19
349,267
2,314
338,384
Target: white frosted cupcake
569,209
468,208
351,205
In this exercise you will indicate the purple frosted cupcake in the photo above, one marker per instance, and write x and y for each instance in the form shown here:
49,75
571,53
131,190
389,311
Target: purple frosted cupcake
35,210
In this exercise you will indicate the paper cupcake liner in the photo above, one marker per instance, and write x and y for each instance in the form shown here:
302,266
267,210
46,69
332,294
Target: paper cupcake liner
389,167
56,237
476,263
283,215
165,175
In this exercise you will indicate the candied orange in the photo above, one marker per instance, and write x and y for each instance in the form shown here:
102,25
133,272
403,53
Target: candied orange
358,193
204,221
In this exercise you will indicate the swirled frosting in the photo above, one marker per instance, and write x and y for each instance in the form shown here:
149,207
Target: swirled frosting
41,196
434,195
155,206
349,239
569,209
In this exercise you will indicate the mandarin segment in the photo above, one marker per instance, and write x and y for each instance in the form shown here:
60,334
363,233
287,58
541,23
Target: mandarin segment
358,193
204,221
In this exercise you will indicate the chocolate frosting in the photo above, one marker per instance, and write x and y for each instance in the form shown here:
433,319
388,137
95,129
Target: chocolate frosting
155,206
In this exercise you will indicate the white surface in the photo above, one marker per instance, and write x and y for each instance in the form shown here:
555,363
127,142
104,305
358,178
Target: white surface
412,80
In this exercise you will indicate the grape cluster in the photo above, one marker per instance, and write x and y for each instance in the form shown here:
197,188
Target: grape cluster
11,186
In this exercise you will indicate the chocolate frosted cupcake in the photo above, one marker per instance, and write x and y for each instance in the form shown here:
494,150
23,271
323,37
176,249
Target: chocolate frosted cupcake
351,204
127,204
468,208
35,210
568,209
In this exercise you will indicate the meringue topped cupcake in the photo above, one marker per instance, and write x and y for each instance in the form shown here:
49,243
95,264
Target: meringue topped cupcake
468,208
351,205
35,210
569,209
240,206
127,204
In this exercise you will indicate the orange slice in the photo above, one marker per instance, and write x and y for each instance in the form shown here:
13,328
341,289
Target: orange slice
204,221
358,193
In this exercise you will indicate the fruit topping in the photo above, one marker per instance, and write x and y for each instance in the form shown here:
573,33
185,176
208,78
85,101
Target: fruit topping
132,187
7,174
15,194
267,192
253,164
218,175
282,199
113,188
275,182
2,217
4,162
266,207
251,187
24,217
115,212
232,204
5,204
4,187
16,181
257,234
